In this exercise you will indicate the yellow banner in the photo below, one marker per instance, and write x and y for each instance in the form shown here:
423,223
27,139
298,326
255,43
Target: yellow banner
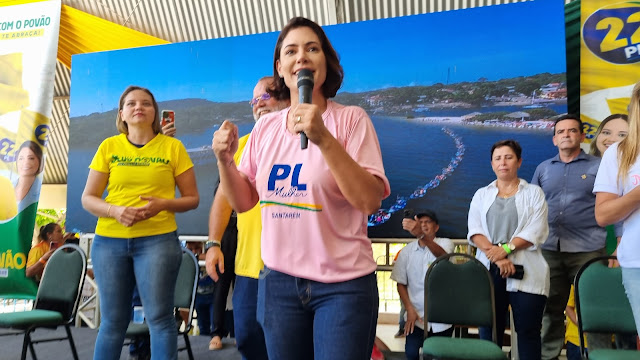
609,59
28,46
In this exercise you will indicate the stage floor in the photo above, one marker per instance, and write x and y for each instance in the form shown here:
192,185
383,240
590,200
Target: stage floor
85,339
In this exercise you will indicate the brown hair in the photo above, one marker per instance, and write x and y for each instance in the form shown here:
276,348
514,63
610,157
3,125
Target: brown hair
46,230
335,74
593,148
122,125
37,151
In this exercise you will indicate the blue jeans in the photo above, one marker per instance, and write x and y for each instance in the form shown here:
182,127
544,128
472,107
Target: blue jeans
249,334
204,308
573,352
140,346
305,319
631,282
415,340
527,317
151,262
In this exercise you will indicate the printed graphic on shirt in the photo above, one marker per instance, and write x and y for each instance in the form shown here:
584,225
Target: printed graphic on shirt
137,161
284,183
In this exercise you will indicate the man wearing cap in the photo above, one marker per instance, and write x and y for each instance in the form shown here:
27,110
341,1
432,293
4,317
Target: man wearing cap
409,272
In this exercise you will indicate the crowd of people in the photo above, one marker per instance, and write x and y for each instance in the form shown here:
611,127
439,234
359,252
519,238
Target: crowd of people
299,260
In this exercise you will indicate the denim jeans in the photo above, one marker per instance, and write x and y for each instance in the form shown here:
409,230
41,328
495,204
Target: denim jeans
141,346
573,352
204,308
249,334
527,317
415,340
305,319
631,282
151,262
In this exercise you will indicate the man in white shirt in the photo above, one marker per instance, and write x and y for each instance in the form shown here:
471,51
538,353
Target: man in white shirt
409,272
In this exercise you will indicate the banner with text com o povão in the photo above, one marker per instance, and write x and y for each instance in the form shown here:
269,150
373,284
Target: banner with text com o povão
28,48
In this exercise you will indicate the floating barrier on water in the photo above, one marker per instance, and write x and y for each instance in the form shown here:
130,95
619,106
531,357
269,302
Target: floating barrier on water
382,215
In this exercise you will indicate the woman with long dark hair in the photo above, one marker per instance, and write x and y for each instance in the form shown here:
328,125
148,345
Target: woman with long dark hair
317,294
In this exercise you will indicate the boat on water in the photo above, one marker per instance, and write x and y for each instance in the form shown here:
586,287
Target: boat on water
533,106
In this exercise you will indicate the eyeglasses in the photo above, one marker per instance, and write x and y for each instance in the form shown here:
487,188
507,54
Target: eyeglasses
264,97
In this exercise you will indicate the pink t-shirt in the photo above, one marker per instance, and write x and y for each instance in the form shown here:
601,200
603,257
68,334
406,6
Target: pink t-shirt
309,229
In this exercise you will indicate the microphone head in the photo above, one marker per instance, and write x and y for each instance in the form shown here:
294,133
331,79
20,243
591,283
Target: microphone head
305,78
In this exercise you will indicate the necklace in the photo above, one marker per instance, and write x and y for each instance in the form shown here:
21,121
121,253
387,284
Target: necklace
506,195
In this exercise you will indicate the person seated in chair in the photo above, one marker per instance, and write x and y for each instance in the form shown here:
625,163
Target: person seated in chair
409,271
49,239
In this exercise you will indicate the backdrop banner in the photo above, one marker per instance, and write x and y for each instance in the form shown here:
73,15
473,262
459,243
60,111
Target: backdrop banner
28,47
610,59
439,88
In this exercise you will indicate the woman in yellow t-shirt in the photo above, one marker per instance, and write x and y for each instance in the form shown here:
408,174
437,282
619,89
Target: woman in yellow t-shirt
136,241
42,251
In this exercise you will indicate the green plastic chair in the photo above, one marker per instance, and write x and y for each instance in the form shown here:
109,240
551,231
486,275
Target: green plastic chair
460,294
184,298
602,307
57,299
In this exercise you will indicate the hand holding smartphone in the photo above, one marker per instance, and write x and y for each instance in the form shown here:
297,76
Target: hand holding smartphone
408,214
519,274
167,117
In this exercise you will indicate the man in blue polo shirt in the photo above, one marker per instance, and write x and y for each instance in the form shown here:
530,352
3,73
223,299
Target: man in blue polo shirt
409,271
574,236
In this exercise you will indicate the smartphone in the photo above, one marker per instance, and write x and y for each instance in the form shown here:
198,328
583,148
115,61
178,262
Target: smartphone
167,117
54,245
519,274
408,214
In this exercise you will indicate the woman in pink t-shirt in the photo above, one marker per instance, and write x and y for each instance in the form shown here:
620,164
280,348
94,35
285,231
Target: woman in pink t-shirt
317,296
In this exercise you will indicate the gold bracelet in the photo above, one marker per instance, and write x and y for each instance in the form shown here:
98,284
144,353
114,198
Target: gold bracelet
109,210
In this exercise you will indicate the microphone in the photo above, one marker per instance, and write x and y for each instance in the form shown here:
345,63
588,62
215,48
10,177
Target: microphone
305,88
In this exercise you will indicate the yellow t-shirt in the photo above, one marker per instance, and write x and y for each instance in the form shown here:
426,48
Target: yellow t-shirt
248,257
572,334
133,172
37,252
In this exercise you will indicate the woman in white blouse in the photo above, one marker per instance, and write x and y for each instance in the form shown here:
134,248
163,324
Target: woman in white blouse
507,221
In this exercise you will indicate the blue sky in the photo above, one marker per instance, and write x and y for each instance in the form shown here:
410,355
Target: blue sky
495,42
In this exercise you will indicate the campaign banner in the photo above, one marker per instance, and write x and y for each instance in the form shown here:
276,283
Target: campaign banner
610,59
28,48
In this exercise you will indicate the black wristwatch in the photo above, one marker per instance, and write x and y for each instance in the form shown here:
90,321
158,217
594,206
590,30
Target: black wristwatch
209,244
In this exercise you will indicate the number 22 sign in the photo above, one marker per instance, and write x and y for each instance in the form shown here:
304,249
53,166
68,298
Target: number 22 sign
612,33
